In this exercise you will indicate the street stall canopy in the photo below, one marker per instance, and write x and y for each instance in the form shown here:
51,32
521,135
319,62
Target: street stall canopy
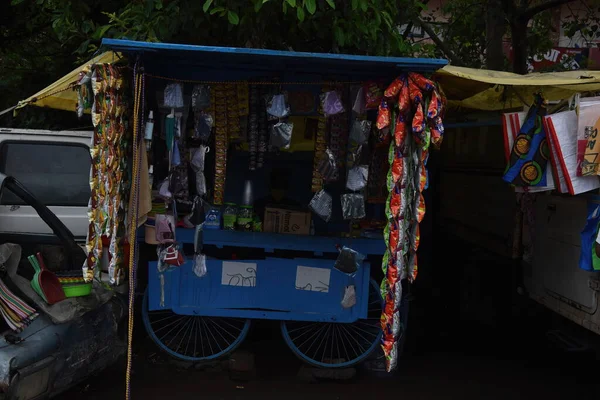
61,95
481,89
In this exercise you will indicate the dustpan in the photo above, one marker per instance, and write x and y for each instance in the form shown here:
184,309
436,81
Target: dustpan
35,281
47,282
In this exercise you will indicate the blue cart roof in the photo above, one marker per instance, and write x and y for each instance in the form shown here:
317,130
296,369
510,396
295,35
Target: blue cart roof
175,58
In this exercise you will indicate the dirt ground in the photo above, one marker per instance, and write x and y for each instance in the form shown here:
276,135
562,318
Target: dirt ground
474,363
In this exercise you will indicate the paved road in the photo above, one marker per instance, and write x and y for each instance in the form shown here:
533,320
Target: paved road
475,363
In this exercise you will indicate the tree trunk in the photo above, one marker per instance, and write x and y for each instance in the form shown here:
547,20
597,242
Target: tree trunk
518,29
495,25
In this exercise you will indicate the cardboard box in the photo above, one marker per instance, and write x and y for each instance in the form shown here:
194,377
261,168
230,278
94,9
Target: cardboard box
279,220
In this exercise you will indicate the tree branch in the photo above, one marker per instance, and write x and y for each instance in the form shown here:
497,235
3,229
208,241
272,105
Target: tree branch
439,42
532,11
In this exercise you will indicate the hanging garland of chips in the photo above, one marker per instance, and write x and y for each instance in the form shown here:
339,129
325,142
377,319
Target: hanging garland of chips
253,126
108,177
338,135
263,128
221,142
402,113
320,147
233,112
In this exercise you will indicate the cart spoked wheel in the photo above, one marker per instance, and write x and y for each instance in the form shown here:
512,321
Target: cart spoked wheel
337,345
193,338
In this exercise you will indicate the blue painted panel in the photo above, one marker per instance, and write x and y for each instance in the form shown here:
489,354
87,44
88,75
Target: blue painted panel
260,240
274,295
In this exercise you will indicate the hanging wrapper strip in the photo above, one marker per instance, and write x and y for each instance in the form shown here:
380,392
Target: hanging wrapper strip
108,183
253,126
221,144
262,130
338,136
320,147
417,104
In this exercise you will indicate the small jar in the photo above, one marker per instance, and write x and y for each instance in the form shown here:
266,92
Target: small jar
244,218
230,216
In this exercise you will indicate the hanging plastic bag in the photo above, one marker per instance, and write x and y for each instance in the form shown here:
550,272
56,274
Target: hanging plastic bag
178,181
358,177
165,228
176,159
203,123
200,265
163,190
353,206
173,96
200,184
359,102
322,205
277,106
198,158
332,104
201,97
348,261
360,131
174,255
197,216
328,167
281,135
349,299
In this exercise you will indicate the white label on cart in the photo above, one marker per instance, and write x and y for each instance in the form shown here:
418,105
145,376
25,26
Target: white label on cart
313,279
238,274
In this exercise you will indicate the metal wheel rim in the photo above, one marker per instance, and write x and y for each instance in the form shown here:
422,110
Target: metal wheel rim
193,338
318,343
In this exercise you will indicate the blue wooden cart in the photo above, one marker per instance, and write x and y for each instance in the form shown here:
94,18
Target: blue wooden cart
198,319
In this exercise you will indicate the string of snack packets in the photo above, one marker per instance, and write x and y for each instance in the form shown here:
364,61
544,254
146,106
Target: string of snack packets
411,112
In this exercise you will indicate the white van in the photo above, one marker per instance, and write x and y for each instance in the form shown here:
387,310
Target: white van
55,167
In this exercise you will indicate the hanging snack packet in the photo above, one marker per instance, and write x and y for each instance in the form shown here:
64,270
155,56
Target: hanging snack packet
373,95
328,166
201,97
404,99
359,102
384,115
353,206
281,135
423,83
349,299
358,177
322,205
360,131
400,130
415,94
331,103
277,106
435,105
418,125
394,89
173,95
348,261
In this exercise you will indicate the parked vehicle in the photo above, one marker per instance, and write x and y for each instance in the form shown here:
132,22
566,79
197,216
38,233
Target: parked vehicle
48,357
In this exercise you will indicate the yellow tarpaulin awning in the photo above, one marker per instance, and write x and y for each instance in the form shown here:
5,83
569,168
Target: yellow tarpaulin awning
476,89
60,95
481,89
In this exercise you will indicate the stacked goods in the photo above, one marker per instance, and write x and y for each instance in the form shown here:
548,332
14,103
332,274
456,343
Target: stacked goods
411,111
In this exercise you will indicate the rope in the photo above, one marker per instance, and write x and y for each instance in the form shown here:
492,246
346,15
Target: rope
133,225
266,83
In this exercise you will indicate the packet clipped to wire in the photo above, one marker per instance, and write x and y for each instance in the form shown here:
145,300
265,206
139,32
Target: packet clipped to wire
348,261
322,205
353,206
